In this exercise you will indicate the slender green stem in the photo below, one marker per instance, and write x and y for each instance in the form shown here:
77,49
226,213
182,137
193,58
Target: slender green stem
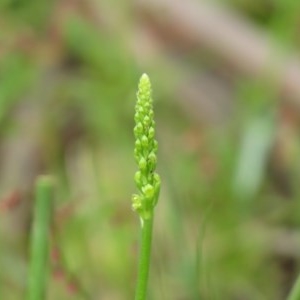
39,248
144,259
295,292
146,179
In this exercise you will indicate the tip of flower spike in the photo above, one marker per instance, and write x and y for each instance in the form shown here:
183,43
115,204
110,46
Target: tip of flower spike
45,180
144,77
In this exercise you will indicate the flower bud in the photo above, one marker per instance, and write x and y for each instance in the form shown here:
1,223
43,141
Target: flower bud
146,121
145,141
138,144
136,202
152,160
143,164
151,114
136,117
138,129
151,133
148,191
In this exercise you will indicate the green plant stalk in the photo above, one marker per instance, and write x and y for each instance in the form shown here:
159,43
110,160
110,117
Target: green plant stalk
39,247
147,181
295,292
144,259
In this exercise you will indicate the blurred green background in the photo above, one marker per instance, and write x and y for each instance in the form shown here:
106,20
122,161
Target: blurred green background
226,86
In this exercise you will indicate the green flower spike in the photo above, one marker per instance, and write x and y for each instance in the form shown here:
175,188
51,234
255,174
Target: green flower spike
147,181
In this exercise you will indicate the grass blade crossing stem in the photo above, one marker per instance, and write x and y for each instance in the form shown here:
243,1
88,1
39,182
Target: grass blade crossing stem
39,247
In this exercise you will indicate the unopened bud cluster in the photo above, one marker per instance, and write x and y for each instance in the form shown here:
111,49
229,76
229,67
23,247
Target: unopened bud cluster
147,181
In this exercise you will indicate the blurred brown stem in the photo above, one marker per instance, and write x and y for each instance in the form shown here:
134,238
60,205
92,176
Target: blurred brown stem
200,24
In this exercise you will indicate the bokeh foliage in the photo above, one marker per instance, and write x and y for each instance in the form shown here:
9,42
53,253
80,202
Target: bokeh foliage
228,218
